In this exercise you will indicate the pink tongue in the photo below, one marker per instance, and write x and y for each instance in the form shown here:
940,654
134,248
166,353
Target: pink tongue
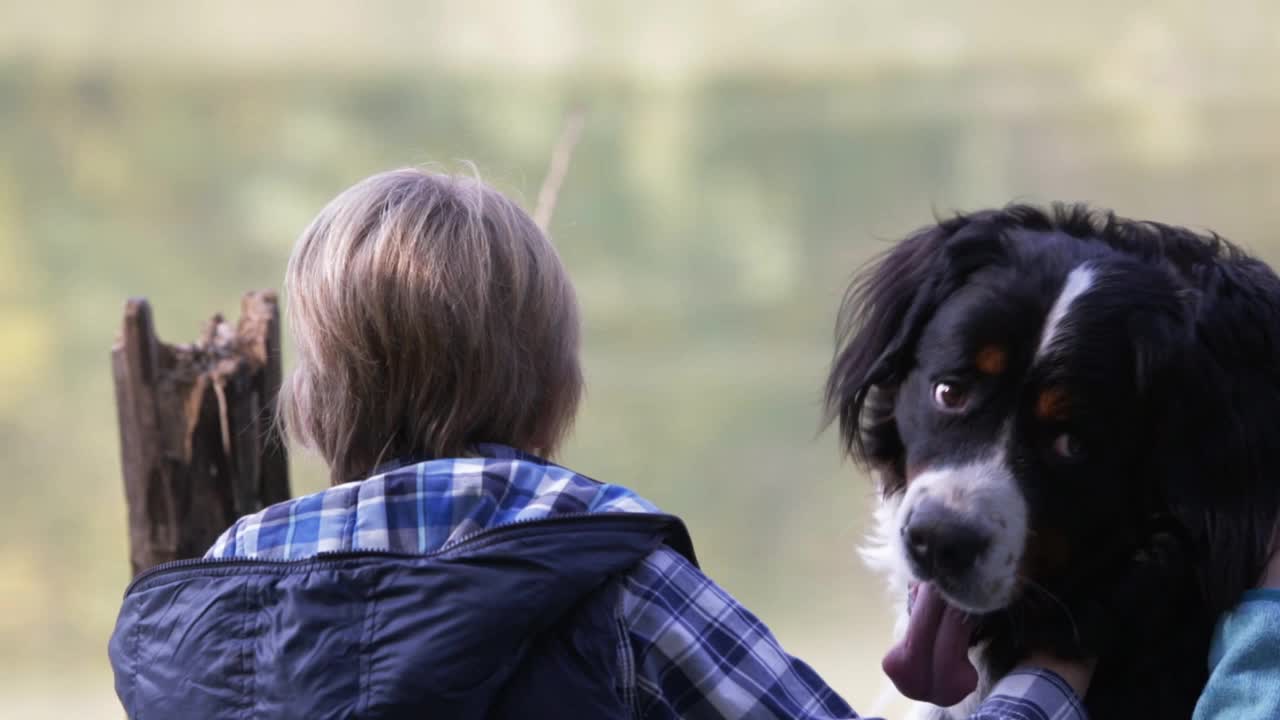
931,664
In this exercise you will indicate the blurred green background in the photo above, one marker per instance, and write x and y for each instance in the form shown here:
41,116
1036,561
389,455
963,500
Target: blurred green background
739,160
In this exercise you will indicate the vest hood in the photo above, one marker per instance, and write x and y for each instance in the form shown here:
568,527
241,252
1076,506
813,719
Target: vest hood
366,633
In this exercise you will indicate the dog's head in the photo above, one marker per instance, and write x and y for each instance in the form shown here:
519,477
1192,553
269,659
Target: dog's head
1041,393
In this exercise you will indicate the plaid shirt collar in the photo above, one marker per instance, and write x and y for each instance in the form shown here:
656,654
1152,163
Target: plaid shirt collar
420,507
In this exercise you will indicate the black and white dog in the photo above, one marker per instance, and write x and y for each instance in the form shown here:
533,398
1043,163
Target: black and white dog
1074,420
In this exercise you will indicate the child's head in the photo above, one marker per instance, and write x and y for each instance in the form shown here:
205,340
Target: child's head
429,313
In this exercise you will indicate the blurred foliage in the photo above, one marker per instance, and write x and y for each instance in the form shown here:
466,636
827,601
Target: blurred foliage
735,169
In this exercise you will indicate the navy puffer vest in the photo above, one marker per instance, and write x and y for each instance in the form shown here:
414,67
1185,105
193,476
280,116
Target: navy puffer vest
514,622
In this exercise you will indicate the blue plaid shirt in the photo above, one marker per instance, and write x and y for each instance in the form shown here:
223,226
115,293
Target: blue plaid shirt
689,650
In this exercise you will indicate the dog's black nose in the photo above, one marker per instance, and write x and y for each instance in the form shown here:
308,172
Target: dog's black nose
941,541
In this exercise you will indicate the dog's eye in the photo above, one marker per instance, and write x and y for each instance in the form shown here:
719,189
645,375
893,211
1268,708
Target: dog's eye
1067,447
950,396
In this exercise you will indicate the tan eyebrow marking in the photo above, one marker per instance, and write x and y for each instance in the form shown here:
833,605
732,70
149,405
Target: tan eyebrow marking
1051,404
991,360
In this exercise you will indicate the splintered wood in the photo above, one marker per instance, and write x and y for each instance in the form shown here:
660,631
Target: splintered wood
197,442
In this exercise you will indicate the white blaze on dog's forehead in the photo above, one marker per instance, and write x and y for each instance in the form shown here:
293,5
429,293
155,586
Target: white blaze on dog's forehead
1079,281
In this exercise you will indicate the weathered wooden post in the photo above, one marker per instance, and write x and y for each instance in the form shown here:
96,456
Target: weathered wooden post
197,441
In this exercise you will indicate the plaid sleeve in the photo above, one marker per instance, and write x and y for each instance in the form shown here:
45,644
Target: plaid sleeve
697,653
1031,694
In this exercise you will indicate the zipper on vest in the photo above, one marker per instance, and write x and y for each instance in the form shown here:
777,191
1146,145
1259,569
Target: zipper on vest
335,556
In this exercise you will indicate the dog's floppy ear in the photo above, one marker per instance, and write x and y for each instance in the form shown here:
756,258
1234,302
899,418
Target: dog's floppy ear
1218,456
881,318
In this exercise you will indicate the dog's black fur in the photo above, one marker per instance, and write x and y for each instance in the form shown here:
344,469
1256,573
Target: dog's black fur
1173,372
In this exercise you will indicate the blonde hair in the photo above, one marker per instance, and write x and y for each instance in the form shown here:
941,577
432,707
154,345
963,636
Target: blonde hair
429,313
